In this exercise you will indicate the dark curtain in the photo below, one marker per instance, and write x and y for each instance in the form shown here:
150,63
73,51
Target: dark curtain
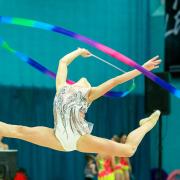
33,106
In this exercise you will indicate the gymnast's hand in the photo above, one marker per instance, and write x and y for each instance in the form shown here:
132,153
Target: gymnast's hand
152,63
84,52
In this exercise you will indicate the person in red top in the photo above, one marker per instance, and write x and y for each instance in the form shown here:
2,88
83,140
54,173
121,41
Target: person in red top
105,167
21,175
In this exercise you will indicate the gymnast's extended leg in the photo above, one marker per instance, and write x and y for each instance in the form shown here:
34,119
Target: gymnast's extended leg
94,144
39,135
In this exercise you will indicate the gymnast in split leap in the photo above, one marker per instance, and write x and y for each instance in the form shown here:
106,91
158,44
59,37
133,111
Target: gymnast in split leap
71,131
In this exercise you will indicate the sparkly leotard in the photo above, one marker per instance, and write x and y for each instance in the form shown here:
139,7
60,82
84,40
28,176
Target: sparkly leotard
70,106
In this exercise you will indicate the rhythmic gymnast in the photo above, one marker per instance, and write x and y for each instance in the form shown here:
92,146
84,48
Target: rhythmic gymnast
71,131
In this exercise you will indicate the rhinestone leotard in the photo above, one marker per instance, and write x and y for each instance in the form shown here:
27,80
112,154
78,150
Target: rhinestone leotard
70,106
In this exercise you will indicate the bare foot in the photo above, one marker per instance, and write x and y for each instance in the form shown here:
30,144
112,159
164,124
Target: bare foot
2,129
153,118
1,134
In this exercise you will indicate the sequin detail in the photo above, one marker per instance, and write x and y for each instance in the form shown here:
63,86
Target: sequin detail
69,103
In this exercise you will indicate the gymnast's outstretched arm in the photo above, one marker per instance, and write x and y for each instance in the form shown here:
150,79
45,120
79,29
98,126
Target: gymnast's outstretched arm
64,62
100,90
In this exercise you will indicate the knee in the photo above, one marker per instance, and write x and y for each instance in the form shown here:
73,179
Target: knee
130,151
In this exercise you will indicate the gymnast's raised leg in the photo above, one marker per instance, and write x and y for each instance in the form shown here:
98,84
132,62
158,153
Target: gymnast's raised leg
94,144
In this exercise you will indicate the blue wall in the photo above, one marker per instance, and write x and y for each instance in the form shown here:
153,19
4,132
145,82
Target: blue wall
118,24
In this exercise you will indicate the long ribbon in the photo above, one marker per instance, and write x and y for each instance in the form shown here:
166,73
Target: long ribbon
97,45
46,71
